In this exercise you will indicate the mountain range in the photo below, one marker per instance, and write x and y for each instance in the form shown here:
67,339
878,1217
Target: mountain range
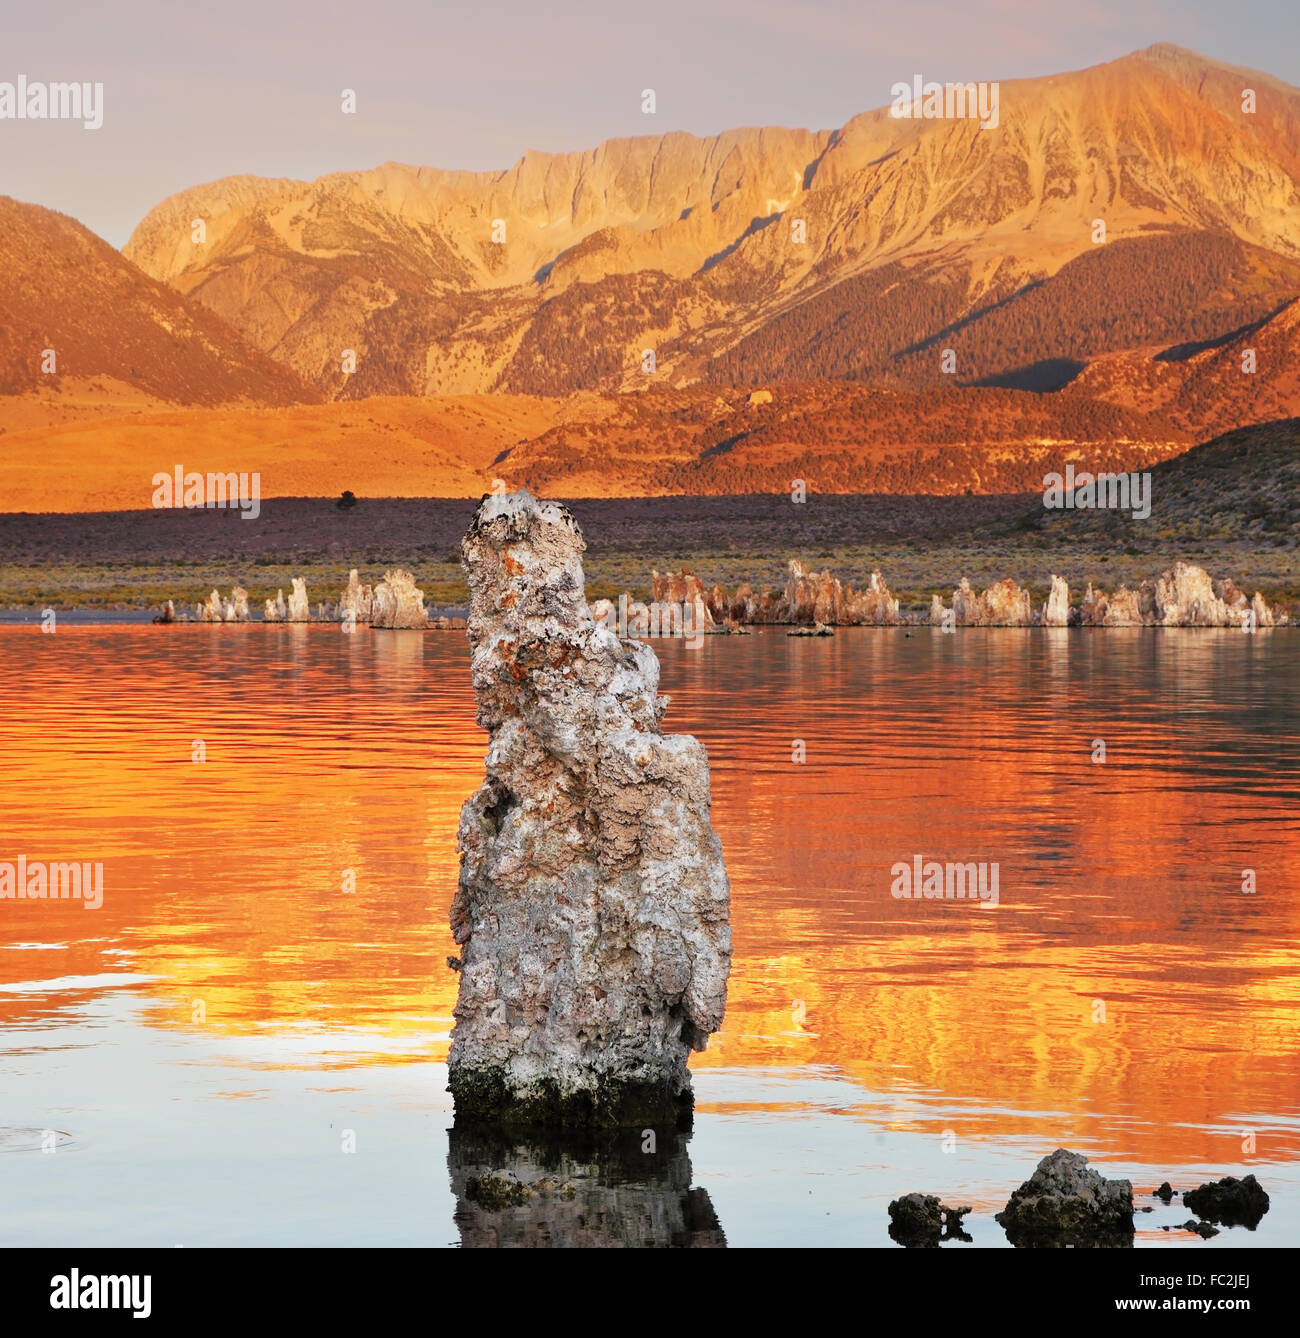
932,304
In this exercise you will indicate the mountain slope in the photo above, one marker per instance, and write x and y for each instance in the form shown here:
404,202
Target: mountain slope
916,231
1193,383
1242,487
63,289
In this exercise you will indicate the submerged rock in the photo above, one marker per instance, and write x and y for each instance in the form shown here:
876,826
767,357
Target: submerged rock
1065,1202
1230,1202
397,603
920,1221
592,909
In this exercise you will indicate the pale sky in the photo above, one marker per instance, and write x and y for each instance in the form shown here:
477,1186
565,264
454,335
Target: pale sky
201,89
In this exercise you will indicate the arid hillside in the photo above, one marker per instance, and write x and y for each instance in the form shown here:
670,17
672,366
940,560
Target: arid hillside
71,303
836,437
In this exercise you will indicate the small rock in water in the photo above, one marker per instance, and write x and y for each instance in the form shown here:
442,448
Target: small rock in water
1230,1202
920,1221
1202,1229
1065,1202
1166,1191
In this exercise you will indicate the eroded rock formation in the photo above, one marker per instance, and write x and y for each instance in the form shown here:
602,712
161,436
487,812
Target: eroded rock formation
1230,1202
1122,609
299,609
921,1221
685,590
822,598
808,597
593,905
397,602
235,609
275,610
1003,604
1056,612
356,603
745,606
1184,596
1065,1202
214,609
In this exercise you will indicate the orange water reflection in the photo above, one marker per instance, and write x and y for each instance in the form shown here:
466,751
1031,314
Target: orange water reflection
226,879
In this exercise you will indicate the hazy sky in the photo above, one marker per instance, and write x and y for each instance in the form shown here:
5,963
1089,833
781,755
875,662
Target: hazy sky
199,90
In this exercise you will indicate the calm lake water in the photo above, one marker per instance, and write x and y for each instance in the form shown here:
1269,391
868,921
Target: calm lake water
210,1041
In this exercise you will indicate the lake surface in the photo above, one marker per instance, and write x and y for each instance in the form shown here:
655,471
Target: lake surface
209,1043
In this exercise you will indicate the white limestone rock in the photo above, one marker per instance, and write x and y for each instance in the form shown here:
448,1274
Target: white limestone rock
397,603
1056,612
357,600
299,608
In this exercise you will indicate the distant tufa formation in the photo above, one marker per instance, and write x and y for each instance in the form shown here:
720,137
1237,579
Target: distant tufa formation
593,904
1182,597
681,604
395,602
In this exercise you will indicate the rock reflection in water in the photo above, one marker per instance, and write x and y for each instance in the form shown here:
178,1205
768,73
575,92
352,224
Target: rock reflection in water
583,1189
